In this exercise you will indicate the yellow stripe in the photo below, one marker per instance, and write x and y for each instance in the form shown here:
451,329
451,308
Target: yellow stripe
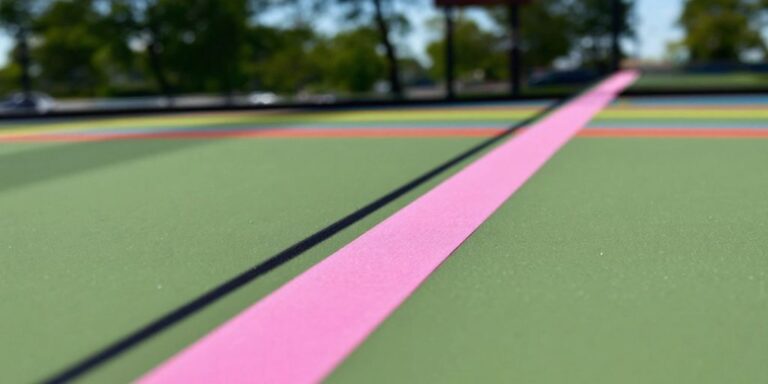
284,117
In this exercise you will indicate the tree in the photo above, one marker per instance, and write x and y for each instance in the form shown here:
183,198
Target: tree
189,45
17,18
281,59
351,62
289,60
546,31
722,30
204,42
142,21
477,51
593,27
71,34
580,29
380,13
389,48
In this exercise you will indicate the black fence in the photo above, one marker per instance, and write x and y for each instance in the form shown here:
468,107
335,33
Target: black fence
96,57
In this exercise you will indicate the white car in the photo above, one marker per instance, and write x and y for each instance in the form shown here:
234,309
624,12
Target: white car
263,98
33,102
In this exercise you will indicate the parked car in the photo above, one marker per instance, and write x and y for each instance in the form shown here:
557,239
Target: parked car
264,98
567,77
316,98
33,102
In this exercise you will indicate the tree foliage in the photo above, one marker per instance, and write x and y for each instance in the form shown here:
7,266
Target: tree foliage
73,39
723,30
382,15
186,45
283,59
102,47
17,17
575,29
478,53
121,47
352,62
592,25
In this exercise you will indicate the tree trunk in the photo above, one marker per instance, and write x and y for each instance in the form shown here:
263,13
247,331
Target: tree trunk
24,63
227,85
616,13
156,66
394,67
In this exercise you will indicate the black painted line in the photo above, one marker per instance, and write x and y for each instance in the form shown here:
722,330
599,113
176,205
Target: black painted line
166,321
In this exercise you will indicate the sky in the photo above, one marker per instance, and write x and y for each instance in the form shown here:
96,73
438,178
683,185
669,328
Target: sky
656,27
5,46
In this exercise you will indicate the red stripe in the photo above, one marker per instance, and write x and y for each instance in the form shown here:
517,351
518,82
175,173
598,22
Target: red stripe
270,133
386,133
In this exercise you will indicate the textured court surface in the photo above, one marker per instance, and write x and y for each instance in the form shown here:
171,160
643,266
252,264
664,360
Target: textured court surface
702,116
636,255
623,260
106,236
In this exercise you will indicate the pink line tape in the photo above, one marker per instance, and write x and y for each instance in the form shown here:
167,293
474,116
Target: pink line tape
303,330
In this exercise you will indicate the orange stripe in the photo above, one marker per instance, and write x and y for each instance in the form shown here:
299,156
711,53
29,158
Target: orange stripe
275,133
388,133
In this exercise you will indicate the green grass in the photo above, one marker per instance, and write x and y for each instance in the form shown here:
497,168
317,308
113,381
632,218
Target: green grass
621,261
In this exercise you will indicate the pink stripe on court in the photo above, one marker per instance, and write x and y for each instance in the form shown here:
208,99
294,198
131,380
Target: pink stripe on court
303,330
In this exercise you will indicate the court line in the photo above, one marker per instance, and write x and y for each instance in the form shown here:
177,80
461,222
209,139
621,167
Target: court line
176,315
303,330
297,118
264,133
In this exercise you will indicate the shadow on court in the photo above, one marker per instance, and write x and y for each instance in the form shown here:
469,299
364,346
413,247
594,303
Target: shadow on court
20,169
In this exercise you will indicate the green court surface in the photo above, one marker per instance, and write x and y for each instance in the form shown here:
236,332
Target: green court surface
692,81
632,256
623,260
152,224
100,238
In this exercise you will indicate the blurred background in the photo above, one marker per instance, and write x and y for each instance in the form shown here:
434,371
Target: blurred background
63,55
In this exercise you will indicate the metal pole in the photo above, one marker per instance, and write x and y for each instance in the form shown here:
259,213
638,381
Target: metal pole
449,56
514,50
616,11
